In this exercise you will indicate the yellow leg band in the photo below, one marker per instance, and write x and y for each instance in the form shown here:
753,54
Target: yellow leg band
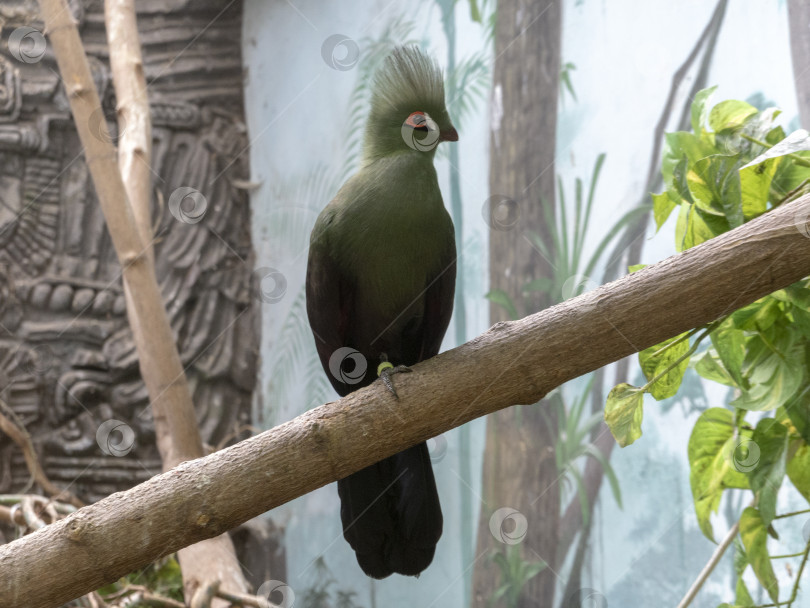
384,366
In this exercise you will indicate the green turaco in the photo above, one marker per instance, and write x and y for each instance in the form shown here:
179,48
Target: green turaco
380,282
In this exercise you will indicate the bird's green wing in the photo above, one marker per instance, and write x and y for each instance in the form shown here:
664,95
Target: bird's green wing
329,300
439,302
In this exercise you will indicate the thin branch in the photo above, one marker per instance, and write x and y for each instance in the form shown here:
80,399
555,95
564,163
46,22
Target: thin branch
792,514
140,595
178,437
176,430
512,363
795,591
11,516
243,599
799,575
710,566
134,123
11,425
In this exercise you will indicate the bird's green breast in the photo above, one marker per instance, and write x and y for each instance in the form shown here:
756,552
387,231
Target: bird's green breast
388,231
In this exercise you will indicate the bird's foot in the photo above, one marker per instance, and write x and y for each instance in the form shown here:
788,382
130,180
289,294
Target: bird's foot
386,369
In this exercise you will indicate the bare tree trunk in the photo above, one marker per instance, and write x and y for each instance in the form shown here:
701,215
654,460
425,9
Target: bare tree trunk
512,363
799,22
519,470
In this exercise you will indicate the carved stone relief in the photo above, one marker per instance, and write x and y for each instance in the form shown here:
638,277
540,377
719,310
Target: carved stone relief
67,359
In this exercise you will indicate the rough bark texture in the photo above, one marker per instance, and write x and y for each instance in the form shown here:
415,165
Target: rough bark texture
512,363
799,22
519,469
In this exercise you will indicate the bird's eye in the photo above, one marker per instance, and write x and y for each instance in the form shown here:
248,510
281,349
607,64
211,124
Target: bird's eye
418,121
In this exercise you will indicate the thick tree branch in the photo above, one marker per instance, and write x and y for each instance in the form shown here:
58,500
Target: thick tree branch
512,363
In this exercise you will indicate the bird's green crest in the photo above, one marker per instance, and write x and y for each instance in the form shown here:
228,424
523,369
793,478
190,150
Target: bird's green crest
408,81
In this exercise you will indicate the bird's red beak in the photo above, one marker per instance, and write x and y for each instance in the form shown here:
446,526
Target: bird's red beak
448,134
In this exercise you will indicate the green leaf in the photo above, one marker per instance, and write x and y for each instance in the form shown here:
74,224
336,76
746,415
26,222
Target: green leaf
798,410
761,126
682,225
623,413
773,383
754,535
775,135
710,467
709,366
757,316
798,141
730,114
699,110
730,346
682,144
500,297
565,78
694,227
743,598
755,186
798,471
714,182
679,180
475,13
657,359
791,175
543,284
801,318
740,558
798,295
636,267
662,208
771,439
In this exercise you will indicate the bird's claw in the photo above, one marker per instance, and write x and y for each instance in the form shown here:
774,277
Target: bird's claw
385,373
